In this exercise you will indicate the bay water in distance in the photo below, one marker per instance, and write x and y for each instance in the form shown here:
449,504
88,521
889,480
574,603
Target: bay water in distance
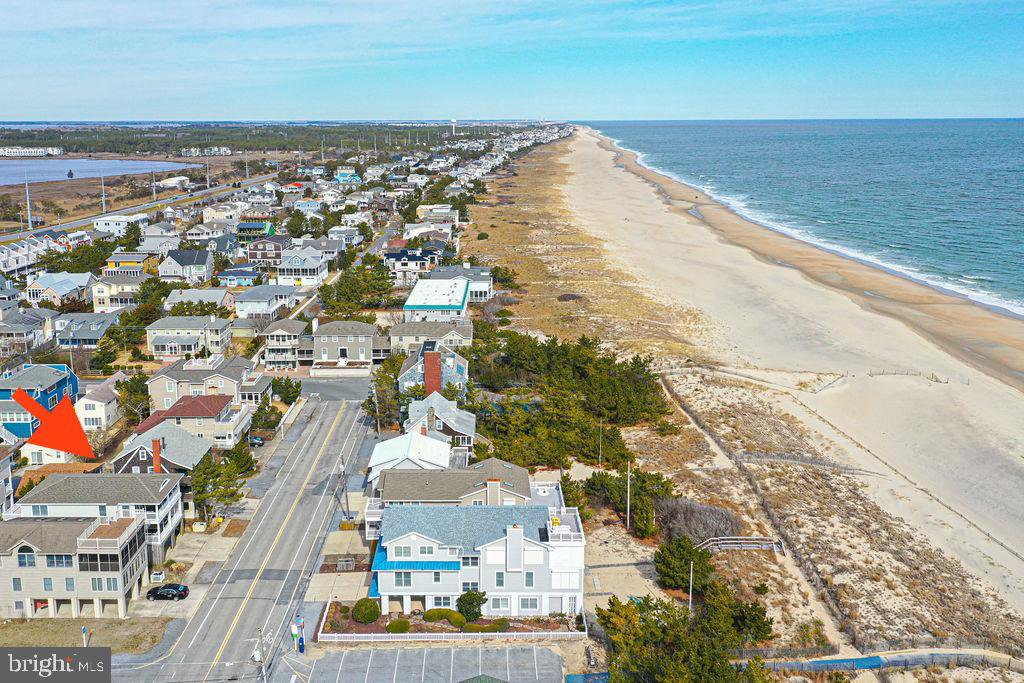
38,170
938,201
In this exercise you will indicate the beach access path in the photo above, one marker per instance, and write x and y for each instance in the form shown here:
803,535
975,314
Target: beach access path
951,447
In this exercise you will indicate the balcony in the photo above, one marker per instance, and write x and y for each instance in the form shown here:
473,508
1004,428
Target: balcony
109,533
564,525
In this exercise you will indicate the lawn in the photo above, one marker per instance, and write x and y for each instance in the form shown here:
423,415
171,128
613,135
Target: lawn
128,636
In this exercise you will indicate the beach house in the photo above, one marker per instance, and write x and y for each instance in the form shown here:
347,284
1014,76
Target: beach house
434,367
304,267
174,337
437,301
47,384
187,265
528,559
215,375
59,288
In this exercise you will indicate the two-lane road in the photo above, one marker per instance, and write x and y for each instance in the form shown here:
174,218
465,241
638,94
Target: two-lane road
260,583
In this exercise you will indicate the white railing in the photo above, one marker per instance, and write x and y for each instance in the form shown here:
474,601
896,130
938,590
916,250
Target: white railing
721,543
86,543
569,529
8,437
374,510
507,635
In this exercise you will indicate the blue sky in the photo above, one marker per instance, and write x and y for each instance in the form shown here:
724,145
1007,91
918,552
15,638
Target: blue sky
560,59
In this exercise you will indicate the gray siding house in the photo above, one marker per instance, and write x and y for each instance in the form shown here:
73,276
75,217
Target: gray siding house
344,340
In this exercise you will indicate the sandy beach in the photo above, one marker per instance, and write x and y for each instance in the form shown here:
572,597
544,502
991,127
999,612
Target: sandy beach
947,439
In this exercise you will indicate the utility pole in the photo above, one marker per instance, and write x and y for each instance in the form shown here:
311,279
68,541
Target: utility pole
259,653
207,175
629,475
246,165
103,194
689,593
28,204
600,442
153,176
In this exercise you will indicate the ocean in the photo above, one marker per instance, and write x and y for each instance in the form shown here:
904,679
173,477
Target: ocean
35,170
938,201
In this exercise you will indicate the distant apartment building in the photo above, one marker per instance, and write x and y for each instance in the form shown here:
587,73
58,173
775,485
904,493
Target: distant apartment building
116,225
21,152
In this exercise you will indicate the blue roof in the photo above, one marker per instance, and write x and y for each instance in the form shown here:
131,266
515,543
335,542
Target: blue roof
381,563
465,526
374,590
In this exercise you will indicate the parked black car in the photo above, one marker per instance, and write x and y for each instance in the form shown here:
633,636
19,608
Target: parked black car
256,441
168,591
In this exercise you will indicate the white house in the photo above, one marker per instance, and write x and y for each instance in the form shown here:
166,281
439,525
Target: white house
437,301
188,265
116,225
268,302
175,337
409,451
100,407
528,559
481,283
306,267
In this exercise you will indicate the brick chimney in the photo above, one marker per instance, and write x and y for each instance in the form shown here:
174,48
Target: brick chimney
432,372
157,464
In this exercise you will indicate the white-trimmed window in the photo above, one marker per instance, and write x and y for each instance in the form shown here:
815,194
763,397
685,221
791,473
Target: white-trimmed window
565,579
499,579
528,579
529,604
426,550
402,551
403,579
499,603
470,586
442,601
437,577
471,561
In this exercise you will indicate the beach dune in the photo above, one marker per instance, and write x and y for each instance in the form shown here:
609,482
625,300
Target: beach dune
929,390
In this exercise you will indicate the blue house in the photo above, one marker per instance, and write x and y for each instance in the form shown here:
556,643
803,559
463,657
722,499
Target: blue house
47,384
242,275
348,178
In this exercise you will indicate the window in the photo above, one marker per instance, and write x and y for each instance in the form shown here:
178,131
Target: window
112,583
26,557
91,562
499,579
402,551
437,577
103,510
426,550
528,579
571,608
403,579
16,584
528,603
39,511
167,403
478,502
499,603
170,385
69,584
565,580
470,561
442,601
47,584
59,561
470,586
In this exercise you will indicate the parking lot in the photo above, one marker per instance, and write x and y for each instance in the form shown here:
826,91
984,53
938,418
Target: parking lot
424,664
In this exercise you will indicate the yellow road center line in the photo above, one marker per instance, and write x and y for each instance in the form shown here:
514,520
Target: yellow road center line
277,539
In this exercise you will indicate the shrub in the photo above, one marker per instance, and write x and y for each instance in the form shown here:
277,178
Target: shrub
398,626
681,517
469,604
366,611
483,236
672,562
344,609
666,428
761,588
497,626
439,613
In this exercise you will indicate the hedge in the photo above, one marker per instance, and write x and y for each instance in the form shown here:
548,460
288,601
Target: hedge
497,626
366,611
439,613
398,626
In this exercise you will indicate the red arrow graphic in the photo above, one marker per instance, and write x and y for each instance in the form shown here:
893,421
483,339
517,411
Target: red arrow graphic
59,428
